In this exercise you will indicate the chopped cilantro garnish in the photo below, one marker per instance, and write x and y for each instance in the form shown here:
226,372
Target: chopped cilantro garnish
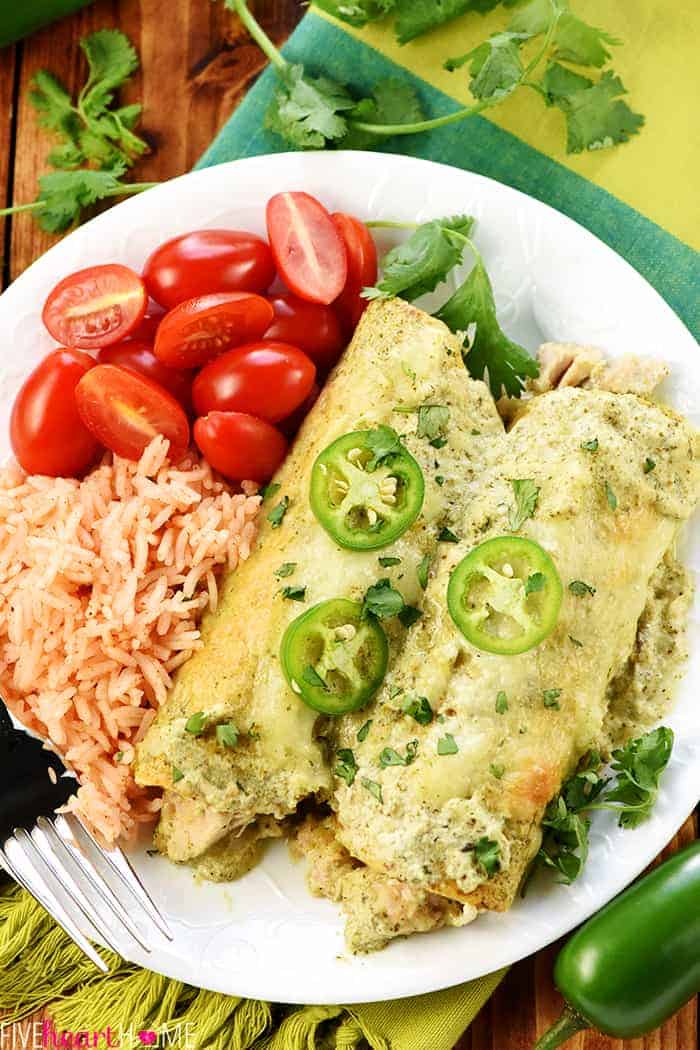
294,593
346,767
227,734
610,496
409,615
177,774
551,698
271,489
383,442
285,570
535,583
526,494
501,703
488,855
382,600
447,745
387,562
196,723
581,589
432,422
373,787
497,770
363,731
649,465
423,570
418,707
590,446
276,515
447,536
311,676
390,757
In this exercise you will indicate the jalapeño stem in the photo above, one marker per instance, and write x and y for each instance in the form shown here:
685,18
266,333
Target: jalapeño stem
569,1023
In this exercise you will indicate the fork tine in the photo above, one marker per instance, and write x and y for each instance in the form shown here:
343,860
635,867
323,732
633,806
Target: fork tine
60,847
129,879
67,886
56,912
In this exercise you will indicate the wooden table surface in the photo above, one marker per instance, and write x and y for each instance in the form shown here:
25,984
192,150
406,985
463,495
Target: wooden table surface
197,65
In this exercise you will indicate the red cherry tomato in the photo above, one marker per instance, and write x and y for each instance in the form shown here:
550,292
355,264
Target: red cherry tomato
207,261
268,380
46,432
313,327
306,246
95,307
362,267
240,446
201,329
138,356
148,325
291,424
125,411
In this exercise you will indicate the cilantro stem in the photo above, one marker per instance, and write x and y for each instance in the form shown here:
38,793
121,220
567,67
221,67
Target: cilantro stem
258,33
120,191
378,224
469,111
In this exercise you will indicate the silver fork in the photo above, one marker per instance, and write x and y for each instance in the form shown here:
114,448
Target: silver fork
91,893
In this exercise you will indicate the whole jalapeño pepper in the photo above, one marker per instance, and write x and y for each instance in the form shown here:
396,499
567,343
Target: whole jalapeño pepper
636,962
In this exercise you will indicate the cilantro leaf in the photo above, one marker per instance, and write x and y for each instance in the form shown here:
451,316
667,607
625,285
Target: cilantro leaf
276,515
501,703
432,421
294,593
580,588
574,40
387,562
393,101
196,724
54,106
311,676
495,66
308,111
346,767
111,60
420,263
610,496
447,536
447,745
535,583
551,698
363,731
271,489
418,708
596,117
488,855
177,774
383,442
527,494
415,17
227,734
357,12
649,465
590,446
491,351
373,787
63,195
382,600
423,569
390,757
638,767
285,569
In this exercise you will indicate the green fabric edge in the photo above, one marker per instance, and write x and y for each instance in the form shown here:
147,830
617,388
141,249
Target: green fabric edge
672,267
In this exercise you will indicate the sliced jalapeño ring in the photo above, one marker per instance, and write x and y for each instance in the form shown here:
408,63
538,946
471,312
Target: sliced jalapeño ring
505,596
363,504
332,658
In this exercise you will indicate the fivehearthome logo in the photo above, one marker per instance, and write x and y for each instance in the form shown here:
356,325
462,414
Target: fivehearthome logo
43,1035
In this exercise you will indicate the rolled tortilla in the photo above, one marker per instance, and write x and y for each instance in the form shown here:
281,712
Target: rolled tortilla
605,521
399,359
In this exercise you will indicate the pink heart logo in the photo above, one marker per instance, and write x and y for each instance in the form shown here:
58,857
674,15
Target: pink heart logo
148,1038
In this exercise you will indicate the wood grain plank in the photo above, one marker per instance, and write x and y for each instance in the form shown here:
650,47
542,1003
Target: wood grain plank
8,66
197,64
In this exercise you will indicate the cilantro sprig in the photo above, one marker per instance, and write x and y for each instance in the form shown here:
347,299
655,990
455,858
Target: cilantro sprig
636,768
313,112
96,141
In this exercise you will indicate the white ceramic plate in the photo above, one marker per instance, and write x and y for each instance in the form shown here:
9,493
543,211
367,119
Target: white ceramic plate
265,936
